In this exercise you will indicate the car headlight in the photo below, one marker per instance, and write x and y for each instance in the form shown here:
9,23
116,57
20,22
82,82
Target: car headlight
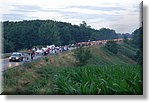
9,57
17,57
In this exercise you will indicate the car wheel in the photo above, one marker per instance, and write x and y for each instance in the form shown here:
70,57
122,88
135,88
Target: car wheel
9,60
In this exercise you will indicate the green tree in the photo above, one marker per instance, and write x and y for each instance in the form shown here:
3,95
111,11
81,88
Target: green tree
65,35
49,33
107,33
82,55
112,46
26,34
139,57
8,46
137,41
125,40
137,38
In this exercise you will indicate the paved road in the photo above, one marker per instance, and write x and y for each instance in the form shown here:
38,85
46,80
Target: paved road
7,65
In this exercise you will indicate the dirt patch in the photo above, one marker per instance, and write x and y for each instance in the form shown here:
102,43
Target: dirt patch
51,60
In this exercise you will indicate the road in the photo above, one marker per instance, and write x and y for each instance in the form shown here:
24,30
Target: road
7,65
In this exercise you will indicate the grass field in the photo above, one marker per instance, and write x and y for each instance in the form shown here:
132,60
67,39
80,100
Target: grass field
113,79
105,73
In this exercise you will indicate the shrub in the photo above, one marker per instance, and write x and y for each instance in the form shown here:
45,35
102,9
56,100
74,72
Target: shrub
139,57
46,59
112,46
82,55
125,40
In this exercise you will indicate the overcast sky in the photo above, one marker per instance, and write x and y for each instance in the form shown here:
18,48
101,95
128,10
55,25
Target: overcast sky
120,15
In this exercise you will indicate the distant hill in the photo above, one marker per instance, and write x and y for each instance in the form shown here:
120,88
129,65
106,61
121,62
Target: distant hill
124,35
26,34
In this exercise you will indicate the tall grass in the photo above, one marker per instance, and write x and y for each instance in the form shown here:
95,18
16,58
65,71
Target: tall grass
91,79
114,79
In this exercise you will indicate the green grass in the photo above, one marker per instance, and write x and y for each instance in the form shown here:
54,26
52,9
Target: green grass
128,51
90,79
101,56
114,79
29,81
105,73
129,47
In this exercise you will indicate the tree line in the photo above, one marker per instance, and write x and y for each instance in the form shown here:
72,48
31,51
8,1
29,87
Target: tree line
26,34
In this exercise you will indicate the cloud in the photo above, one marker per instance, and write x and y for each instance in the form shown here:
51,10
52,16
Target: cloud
97,8
136,8
81,16
124,27
75,15
14,17
27,8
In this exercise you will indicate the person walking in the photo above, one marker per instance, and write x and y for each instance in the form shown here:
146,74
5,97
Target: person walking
32,55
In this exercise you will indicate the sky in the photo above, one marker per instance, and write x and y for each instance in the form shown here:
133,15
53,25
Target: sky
121,15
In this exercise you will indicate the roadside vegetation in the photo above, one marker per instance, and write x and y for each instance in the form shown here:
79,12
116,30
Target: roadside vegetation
103,73
82,55
112,79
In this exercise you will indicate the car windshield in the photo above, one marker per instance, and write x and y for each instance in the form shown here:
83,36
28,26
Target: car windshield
15,55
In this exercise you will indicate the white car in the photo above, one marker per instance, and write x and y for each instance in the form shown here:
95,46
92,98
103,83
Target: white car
16,56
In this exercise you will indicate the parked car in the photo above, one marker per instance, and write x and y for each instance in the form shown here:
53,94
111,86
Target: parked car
16,56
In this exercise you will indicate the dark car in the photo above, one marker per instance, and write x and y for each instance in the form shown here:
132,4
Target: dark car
16,57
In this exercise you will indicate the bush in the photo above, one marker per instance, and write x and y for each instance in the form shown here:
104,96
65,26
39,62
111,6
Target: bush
112,47
125,40
46,59
82,55
139,57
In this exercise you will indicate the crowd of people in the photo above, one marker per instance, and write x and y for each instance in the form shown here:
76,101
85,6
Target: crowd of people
52,49
49,50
